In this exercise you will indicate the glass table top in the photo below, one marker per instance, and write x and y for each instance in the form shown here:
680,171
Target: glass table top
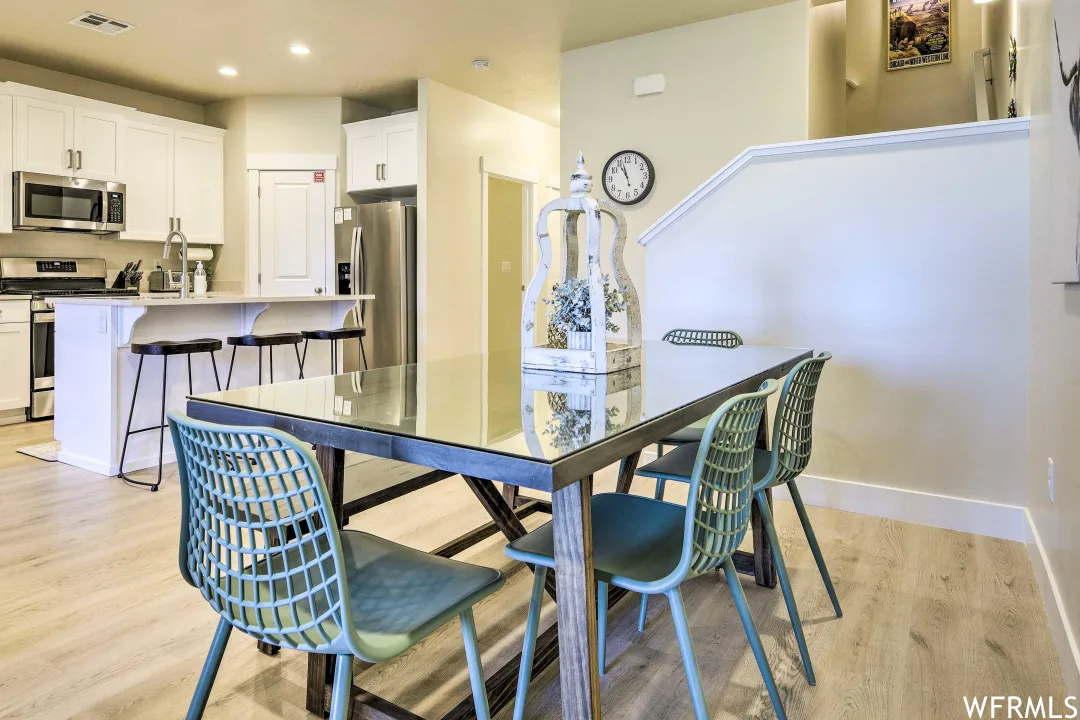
488,402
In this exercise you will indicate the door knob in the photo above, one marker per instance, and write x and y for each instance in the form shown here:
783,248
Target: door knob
318,291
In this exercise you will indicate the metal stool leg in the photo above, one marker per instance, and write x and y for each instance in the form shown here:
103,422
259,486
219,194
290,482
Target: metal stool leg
131,414
232,362
299,361
333,357
304,358
190,386
213,362
161,433
363,355
260,366
271,349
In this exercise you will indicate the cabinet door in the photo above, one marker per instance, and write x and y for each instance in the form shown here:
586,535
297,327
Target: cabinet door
14,365
400,141
99,145
44,136
199,185
295,232
148,173
7,160
364,151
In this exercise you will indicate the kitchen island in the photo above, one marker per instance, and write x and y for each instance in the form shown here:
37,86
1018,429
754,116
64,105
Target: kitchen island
95,370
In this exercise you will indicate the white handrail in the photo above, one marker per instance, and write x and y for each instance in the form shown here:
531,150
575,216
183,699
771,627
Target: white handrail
840,143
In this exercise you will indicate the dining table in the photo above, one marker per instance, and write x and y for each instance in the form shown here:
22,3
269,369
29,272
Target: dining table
486,419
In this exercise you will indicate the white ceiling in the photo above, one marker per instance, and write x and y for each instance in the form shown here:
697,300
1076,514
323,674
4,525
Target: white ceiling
370,50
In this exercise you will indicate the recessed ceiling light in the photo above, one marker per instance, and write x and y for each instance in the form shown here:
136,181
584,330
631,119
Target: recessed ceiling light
298,49
481,65
227,71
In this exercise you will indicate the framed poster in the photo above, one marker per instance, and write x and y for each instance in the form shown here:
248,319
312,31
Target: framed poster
919,32
1065,141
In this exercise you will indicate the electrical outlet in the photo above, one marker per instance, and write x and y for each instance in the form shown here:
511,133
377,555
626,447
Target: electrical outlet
103,322
1050,477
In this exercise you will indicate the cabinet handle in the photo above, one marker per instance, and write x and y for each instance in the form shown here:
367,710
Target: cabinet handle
384,171
71,159
318,291
78,159
378,171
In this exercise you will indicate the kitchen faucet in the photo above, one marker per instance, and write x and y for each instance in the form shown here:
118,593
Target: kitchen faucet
174,231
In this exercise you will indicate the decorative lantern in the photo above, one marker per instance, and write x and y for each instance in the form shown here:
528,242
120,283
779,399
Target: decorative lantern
591,354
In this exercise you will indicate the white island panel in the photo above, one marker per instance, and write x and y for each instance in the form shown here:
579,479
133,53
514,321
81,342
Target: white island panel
95,370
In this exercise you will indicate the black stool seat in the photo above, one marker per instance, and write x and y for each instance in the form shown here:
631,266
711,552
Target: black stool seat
176,347
266,340
338,334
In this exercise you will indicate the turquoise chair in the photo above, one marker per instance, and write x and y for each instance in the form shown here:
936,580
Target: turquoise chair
258,538
650,546
791,443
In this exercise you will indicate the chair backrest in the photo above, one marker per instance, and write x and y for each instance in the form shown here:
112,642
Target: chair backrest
258,536
793,429
712,338
721,486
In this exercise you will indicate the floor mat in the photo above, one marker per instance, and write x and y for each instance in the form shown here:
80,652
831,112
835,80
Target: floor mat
44,451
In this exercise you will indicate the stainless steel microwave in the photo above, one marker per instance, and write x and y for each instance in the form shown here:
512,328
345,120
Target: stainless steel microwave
67,204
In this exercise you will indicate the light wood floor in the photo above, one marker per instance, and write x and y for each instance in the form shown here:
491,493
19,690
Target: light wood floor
95,621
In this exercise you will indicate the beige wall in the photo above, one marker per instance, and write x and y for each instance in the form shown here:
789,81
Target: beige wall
916,97
828,65
11,71
504,231
456,130
271,124
1054,329
731,82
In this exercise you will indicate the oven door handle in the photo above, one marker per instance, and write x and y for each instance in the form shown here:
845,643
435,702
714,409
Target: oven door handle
45,317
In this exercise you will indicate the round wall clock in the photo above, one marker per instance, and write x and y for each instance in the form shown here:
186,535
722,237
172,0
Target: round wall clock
628,177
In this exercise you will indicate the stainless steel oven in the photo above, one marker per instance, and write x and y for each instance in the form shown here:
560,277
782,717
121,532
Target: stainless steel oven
56,202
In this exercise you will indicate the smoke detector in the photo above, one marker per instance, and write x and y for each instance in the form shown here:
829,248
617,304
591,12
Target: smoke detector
100,23
481,65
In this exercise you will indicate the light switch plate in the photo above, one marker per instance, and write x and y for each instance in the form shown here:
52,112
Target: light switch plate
506,267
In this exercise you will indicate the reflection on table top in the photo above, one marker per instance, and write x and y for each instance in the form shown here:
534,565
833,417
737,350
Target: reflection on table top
487,402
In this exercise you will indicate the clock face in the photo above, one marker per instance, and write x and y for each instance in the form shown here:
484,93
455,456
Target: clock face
628,177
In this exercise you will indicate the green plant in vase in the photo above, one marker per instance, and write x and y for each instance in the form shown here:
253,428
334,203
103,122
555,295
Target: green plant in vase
569,317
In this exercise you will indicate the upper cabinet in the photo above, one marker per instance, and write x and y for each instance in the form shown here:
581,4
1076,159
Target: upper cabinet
174,169
171,168
381,153
61,138
7,146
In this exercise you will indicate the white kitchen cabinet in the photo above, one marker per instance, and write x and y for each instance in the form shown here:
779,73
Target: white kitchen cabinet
14,356
57,138
199,186
364,151
174,169
149,179
7,149
399,167
44,136
98,145
382,153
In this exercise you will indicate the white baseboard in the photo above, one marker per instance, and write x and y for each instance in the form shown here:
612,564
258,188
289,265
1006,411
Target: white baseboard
944,511
131,463
1058,620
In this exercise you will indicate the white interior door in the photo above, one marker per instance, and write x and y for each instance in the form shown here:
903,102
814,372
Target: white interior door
295,232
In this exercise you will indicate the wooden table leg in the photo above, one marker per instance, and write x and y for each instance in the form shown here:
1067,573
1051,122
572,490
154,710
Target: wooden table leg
579,674
321,667
627,468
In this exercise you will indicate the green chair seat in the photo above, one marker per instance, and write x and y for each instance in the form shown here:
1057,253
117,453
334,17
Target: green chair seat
635,540
690,434
678,465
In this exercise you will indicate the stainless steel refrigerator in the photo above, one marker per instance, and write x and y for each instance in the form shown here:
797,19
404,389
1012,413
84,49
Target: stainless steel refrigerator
375,248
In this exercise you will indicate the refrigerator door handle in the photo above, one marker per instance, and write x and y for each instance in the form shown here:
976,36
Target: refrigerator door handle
361,276
404,285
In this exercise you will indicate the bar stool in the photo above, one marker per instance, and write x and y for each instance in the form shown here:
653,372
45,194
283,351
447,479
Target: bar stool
267,341
333,336
164,349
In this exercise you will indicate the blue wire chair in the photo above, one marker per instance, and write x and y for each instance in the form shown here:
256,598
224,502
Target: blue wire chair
792,439
258,538
650,546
